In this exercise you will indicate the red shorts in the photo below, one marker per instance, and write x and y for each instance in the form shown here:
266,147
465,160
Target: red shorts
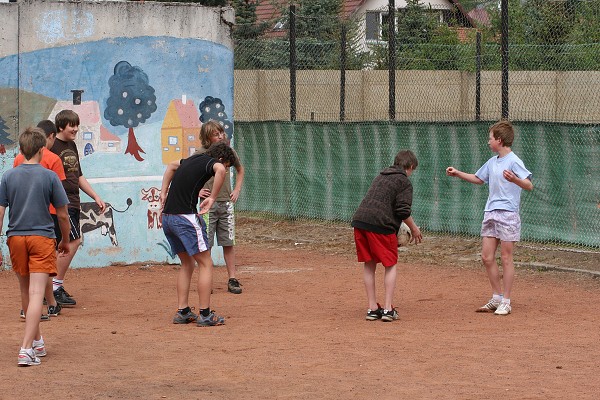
377,247
32,254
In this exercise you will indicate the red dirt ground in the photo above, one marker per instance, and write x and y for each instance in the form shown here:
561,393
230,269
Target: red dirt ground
298,332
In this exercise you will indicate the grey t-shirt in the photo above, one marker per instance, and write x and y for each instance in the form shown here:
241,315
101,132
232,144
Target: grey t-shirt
27,191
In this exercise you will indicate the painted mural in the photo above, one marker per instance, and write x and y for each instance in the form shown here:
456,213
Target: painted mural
141,101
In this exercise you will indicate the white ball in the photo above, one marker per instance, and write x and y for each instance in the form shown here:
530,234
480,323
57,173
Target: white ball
404,235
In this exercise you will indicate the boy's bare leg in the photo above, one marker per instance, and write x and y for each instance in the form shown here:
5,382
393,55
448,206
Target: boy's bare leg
37,285
184,277
205,279
229,256
64,260
49,293
508,267
24,288
488,256
369,278
389,281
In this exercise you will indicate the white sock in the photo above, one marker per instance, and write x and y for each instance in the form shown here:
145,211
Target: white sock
505,300
38,342
497,297
56,283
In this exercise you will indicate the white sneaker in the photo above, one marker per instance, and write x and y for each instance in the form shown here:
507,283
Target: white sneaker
503,309
27,358
490,306
39,348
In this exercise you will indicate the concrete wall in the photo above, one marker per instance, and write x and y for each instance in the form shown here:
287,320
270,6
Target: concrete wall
420,96
163,54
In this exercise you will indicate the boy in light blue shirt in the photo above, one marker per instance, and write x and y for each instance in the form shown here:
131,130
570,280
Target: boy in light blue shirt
506,176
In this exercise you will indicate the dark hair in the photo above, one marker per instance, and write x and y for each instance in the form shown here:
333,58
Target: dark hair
31,140
48,127
207,130
504,131
66,118
406,159
222,153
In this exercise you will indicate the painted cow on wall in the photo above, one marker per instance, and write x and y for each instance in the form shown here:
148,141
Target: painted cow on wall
91,219
152,196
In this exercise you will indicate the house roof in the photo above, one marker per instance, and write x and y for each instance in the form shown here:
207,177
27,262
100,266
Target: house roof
106,135
88,111
188,113
269,9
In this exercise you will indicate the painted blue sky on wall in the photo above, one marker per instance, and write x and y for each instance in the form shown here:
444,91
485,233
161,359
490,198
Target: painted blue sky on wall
196,68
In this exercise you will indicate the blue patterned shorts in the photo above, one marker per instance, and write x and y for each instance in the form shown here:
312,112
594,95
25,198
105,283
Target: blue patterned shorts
502,224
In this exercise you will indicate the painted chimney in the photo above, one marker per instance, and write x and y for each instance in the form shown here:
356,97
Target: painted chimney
183,99
77,96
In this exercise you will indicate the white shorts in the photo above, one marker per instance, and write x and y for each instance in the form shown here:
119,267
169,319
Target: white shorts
502,224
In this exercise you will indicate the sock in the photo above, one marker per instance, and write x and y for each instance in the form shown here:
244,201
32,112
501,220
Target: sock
184,311
38,342
497,297
505,300
56,283
205,312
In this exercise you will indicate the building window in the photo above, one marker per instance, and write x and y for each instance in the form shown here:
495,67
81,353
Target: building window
172,140
165,149
87,136
111,144
191,138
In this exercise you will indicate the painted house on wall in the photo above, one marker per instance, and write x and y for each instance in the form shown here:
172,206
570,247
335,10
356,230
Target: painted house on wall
180,132
92,136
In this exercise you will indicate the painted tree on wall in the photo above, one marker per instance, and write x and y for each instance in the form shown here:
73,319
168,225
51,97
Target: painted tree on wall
212,108
4,133
131,102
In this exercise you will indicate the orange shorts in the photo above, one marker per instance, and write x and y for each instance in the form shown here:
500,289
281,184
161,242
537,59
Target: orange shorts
32,254
378,247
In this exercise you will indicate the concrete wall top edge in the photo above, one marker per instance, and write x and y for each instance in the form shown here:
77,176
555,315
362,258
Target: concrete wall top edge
45,24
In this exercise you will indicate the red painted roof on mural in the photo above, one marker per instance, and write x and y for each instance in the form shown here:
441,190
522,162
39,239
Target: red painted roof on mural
188,113
106,135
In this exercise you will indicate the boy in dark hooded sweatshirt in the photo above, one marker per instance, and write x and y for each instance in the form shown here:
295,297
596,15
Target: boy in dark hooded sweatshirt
376,223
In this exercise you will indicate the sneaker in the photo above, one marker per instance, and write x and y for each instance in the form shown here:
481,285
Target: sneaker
63,298
490,306
374,315
184,318
53,311
211,320
27,358
39,348
233,286
503,309
44,317
389,315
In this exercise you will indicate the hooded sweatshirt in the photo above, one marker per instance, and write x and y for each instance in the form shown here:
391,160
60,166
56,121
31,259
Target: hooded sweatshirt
387,202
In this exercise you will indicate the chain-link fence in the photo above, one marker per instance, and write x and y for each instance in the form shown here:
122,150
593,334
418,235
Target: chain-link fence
435,89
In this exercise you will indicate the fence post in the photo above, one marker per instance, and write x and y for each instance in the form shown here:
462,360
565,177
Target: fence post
478,77
343,73
293,62
392,60
504,51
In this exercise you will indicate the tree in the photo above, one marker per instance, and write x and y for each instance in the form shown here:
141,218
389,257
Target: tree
131,101
4,133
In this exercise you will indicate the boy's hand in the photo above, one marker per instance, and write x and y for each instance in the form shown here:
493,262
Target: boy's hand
451,171
204,193
63,248
206,204
509,175
417,236
235,194
101,204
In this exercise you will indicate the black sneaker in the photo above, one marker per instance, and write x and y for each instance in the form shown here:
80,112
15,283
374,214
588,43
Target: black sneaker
389,315
44,317
233,286
53,311
62,297
374,315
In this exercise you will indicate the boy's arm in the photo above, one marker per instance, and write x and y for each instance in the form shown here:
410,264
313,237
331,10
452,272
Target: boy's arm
415,232
472,178
2,211
207,203
65,228
510,176
239,180
167,178
87,189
